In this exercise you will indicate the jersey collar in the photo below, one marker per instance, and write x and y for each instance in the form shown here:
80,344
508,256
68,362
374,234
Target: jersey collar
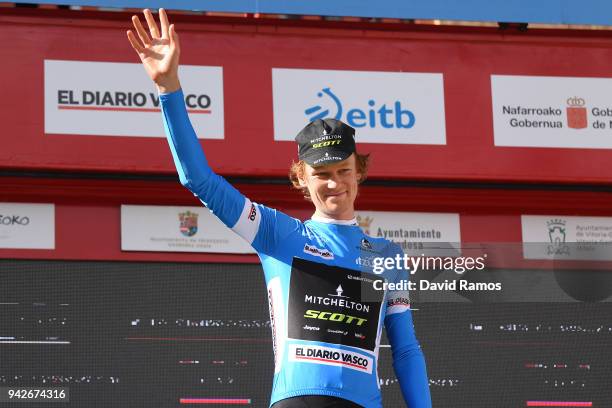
332,221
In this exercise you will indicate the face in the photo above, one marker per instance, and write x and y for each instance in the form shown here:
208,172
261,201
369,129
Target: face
333,188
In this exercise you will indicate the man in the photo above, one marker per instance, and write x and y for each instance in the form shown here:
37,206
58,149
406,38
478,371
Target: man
325,314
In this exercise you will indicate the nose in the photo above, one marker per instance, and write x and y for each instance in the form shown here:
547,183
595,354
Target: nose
332,183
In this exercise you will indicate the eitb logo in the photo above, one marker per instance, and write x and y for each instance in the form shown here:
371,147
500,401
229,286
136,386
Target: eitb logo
386,115
384,107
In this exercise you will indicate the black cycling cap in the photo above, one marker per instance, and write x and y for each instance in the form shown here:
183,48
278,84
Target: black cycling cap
325,141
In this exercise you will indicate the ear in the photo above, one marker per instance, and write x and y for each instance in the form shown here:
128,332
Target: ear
301,181
359,177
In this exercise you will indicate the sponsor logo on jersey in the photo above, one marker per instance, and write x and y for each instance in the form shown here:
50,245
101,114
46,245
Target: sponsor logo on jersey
331,356
365,262
365,244
398,304
337,300
273,325
340,301
252,213
323,253
398,301
360,278
335,317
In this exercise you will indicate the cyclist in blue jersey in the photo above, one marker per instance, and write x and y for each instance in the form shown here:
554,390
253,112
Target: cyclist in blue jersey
326,313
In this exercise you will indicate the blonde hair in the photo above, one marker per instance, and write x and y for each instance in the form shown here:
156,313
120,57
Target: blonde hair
298,169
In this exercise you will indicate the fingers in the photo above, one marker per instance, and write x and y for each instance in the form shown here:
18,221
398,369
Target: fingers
151,23
135,43
163,19
174,39
141,31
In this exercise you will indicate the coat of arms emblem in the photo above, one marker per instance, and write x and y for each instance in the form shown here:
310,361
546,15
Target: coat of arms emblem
189,223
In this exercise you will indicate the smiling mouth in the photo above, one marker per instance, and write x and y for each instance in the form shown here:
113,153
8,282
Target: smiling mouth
335,194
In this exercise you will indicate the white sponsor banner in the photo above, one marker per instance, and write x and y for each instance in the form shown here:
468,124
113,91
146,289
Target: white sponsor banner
27,226
330,356
277,321
119,99
432,234
177,229
533,111
383,107
561,237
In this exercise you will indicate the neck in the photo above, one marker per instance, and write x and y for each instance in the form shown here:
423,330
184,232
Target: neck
346,218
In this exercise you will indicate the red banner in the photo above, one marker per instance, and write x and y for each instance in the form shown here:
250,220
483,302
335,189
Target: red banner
459,64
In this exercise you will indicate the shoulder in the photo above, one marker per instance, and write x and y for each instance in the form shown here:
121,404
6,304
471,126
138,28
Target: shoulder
384,246
278,221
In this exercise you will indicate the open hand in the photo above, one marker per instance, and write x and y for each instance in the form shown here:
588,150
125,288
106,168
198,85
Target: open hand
159,52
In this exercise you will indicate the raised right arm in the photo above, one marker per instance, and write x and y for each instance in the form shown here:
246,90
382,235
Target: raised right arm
233,209
159,53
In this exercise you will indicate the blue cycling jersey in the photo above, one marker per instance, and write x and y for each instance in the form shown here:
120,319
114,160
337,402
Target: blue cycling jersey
325,311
